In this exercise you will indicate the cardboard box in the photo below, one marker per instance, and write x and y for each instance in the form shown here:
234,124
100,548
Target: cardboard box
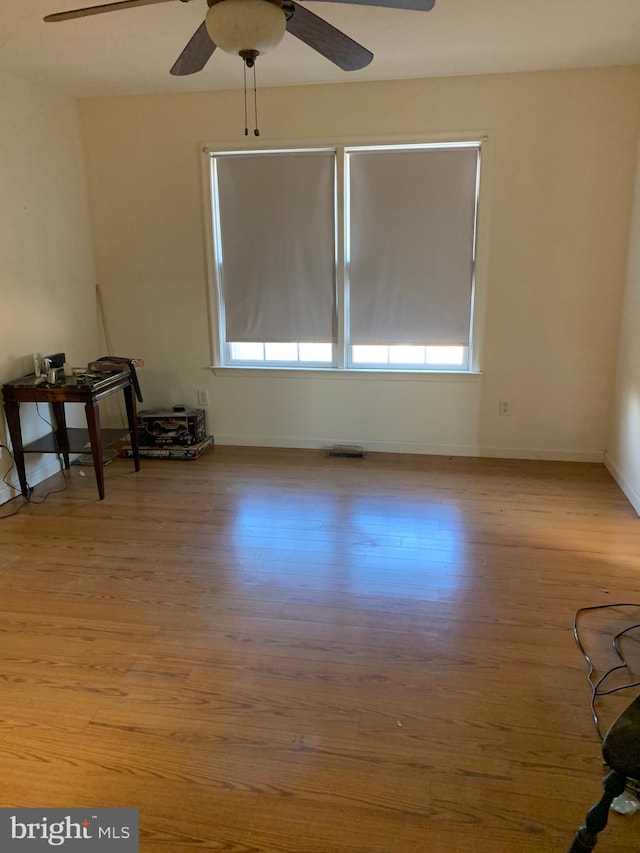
182,429
169,451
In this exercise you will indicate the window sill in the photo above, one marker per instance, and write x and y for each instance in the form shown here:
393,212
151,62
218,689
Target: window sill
334,373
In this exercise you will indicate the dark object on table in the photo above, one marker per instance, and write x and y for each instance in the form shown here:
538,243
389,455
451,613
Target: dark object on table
55,361
621,752
113,363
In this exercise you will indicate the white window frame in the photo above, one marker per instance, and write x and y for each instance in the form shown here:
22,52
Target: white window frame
342,364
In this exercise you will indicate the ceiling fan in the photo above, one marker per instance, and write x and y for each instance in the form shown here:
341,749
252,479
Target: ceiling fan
249,28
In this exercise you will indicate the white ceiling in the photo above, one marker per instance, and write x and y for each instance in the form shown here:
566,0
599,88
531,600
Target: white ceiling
130,51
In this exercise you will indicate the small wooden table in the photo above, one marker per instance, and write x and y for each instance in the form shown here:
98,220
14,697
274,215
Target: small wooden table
89,389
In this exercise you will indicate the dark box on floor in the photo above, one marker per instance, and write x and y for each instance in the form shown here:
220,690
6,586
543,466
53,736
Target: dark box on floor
177,428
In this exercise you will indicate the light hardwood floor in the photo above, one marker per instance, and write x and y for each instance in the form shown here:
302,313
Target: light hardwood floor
270,650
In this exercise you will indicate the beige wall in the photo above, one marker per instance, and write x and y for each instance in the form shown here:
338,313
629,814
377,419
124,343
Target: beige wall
561,151
623,455
47,277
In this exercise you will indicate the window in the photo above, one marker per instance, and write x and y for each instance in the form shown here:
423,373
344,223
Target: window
356,258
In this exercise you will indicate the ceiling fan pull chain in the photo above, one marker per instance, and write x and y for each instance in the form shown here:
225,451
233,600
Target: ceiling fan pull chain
256,132
246,122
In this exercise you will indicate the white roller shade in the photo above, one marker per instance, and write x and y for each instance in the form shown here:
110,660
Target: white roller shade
412,226
277,226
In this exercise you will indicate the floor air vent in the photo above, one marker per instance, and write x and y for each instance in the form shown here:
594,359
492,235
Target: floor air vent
346,451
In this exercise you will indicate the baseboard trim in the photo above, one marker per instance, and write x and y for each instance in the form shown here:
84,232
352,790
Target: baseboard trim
628,490
592,456
326,443
411,447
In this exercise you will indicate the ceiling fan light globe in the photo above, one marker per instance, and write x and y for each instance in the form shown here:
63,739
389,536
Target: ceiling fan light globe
246,25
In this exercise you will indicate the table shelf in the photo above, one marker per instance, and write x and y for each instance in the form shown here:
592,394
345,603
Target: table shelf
79,441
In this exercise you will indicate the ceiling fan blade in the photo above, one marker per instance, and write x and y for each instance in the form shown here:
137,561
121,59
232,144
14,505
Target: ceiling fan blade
325,38
98,10
411,5
196,53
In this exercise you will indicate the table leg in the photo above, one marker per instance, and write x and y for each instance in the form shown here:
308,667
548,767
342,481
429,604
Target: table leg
92,411
598,816
132,419
12,412
62,437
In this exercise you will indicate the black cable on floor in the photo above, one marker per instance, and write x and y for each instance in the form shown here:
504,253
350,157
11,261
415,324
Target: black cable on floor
596,693
27,499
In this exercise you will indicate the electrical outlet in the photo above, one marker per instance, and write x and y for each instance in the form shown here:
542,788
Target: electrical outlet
505,407
203,398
